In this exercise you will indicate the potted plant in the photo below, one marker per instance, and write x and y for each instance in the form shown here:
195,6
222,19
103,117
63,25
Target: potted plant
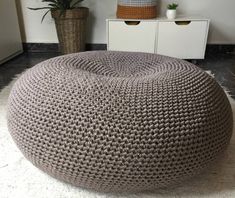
70,23
171,11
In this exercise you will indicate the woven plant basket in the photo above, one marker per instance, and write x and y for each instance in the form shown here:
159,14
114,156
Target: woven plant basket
71,29
137,9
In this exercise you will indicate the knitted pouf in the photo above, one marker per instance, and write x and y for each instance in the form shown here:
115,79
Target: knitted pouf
117,121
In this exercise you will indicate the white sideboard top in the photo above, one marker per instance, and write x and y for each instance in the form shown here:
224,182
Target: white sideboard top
178,18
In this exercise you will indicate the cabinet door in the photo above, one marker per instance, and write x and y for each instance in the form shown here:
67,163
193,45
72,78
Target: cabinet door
182,39
10,41
136,36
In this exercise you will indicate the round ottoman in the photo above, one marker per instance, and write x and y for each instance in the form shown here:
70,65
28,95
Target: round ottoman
117,121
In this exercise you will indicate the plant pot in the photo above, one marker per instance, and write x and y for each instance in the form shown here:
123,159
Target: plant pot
171,14
71,29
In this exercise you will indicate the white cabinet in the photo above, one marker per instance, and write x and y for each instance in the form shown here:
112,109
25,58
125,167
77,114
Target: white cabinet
132,36
186,40
183,38
10,40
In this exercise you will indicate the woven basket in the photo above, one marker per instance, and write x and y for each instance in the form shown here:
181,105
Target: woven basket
137,9
71,29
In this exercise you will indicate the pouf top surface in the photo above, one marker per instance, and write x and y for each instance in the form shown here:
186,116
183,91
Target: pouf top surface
118,121
118,64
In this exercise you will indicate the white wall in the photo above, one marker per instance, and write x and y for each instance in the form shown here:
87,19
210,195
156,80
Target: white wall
220,12
35,31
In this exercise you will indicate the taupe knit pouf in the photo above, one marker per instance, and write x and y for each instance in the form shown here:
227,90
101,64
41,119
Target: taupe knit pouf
116,121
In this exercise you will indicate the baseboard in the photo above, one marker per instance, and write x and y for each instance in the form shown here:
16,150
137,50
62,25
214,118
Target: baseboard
93,47
54,47
11,56
220,49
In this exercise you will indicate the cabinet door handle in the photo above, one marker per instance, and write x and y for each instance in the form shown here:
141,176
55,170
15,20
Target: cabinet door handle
182,22
132,22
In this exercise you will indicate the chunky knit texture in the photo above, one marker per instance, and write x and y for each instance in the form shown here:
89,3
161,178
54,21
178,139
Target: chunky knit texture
116,121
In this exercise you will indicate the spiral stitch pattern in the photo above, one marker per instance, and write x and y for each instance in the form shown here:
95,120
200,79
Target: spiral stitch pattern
117,121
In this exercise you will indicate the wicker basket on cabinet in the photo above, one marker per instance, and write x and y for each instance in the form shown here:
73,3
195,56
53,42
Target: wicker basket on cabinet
137,9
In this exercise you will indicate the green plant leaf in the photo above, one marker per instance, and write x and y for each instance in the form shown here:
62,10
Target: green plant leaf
61,5
50,1
53,5
172,6
76,3
43,17
42,8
